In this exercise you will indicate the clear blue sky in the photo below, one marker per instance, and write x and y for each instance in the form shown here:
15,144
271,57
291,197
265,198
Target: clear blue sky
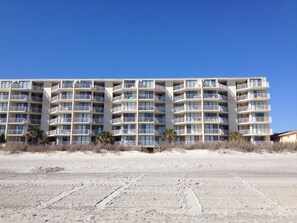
165,38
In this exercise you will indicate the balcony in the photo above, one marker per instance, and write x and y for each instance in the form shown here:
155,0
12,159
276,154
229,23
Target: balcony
160,120
19,97
117,87
17,120
36,99
146,131
252,85
215,108
3,120
83,85
83,97
256,132
146,96
62,86
193,131
129,119
146,108
18,109
35,121
215,96
82,120
159,98
216,131
3,109
178,87
146,119
16,132
97,121
129,85
99,88
116,120
253,108
159,109
265,96
159,87
21,86
35,110
253,120
83,108
3,97
179,98
82,132
61,109
59,132
60,120
37,88
61,97
145,85
124,131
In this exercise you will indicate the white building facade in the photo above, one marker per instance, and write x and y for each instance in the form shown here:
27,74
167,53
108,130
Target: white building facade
136,111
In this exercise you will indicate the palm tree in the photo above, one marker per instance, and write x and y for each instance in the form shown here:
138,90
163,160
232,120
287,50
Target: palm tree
236,136
2,139
105,137
35,136
169,135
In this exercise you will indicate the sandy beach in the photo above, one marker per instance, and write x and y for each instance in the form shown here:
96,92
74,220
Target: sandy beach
191,186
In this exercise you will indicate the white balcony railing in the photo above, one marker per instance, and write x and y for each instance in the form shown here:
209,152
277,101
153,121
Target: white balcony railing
16,132
18,108
146,119
177,87
17,120
254,119
146,131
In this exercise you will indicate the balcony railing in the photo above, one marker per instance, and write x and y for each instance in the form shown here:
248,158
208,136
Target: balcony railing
146,96
160,98
3,120
84,120
61,86
60,132
178,98
17,120
37,88
145,108
177,87
253,108
3,97
252,84
159,87
83,97
116,120
117,87
256,131
146,131
20,86
98,88
19,97
254,119
82,131
18,108
83,108
16,132
35,121
129,119
57,108
83,85
146,119
3,109
159,109
160,120
35,110
253,96
60,120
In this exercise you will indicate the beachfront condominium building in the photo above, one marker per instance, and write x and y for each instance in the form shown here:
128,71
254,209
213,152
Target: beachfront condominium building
136,111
